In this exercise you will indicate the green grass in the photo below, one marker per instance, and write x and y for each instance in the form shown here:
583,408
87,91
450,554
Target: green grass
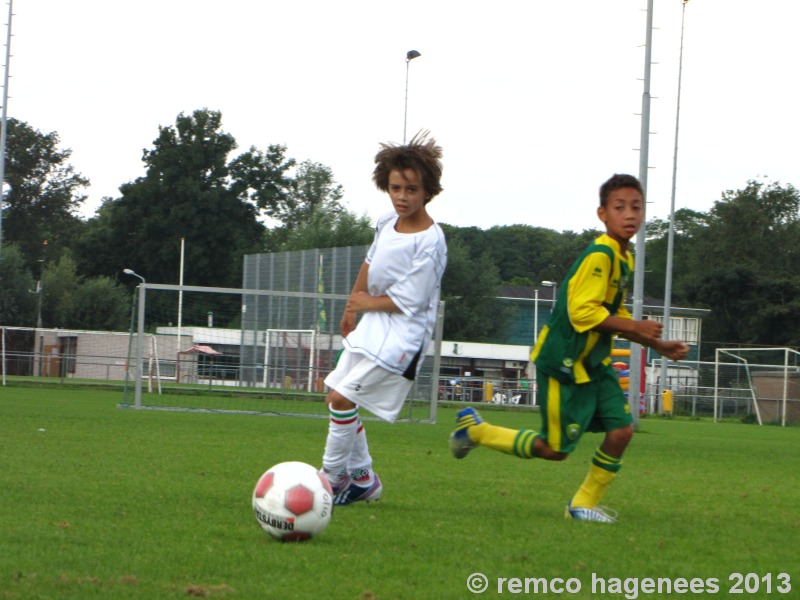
104,502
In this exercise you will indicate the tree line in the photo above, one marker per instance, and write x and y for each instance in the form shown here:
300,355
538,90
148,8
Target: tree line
738,259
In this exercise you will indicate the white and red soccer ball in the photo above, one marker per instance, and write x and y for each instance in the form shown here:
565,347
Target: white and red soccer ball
292,501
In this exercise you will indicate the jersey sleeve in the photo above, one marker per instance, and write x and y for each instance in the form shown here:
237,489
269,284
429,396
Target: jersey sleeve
587,290
379,225
623,313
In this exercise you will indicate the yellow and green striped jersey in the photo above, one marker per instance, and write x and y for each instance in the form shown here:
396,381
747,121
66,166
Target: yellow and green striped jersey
569,348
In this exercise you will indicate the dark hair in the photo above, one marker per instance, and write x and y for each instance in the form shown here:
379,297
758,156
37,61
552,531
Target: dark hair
420,154
617,182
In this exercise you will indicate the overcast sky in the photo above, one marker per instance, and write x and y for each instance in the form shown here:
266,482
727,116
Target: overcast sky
535,103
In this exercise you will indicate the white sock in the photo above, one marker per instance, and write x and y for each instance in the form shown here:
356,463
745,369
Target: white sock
342,427
360,462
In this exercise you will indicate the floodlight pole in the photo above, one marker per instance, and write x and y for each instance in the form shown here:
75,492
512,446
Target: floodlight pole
638,275
671,234
410,55
4,123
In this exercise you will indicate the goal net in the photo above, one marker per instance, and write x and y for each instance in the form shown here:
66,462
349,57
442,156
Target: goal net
767,380
263,349
289,360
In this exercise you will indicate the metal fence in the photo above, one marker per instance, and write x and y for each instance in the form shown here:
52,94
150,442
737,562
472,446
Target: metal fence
171,371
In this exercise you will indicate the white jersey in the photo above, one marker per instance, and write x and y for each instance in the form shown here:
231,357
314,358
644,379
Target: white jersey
407,267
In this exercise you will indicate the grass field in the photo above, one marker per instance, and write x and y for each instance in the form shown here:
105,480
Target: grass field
104,502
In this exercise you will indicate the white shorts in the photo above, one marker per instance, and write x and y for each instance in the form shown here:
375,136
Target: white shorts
366,384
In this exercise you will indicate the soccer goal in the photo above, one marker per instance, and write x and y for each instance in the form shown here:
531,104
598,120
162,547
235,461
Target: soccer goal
289,360
259,350
766,379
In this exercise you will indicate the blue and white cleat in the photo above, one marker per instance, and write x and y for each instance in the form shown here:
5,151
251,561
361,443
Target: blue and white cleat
341,486
601,514
460,442
358,493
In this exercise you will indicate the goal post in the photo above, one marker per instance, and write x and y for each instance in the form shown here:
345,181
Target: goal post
717,365
290,353
770,376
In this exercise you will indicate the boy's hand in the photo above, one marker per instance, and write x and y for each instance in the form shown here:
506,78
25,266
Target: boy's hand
650,330
358,302
673,349
348,323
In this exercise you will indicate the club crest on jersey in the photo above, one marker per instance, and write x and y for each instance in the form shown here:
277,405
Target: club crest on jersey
573,431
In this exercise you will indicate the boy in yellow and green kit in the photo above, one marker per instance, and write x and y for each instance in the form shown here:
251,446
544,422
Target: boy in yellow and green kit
577,386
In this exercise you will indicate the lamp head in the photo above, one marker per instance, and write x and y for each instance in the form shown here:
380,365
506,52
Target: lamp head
134,273
411,55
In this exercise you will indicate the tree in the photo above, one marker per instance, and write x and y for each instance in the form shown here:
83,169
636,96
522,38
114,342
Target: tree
314,191
744,264
43,195
101,303
17,302
187,193
518,250
469,288
59,284
261,179
71,301
689,225
522,251
323,228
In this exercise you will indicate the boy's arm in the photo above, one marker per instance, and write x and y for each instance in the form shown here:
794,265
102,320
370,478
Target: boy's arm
647,333
361,301
348,322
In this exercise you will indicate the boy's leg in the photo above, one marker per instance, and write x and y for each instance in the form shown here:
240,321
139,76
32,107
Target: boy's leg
472,431
614,413
606,463
365,484
342,429
359,466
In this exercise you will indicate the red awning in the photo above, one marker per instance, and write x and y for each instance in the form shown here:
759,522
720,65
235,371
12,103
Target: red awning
200,349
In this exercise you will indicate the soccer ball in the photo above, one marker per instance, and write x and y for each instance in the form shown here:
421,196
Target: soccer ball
292,501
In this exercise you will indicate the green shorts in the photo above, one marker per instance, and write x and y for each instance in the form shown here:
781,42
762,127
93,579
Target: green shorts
569,410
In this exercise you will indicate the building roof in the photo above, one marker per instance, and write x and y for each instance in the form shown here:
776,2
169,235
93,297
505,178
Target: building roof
650,303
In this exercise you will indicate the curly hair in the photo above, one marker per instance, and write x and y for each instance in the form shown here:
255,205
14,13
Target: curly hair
617,182
421,154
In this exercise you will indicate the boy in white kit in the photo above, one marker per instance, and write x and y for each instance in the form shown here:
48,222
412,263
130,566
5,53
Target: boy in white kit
397,293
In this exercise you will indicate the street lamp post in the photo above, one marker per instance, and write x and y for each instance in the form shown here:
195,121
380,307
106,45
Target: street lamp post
139,337
39,301
554,285
410,55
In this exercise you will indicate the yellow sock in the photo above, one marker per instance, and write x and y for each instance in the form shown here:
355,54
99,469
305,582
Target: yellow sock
510,441
597,480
